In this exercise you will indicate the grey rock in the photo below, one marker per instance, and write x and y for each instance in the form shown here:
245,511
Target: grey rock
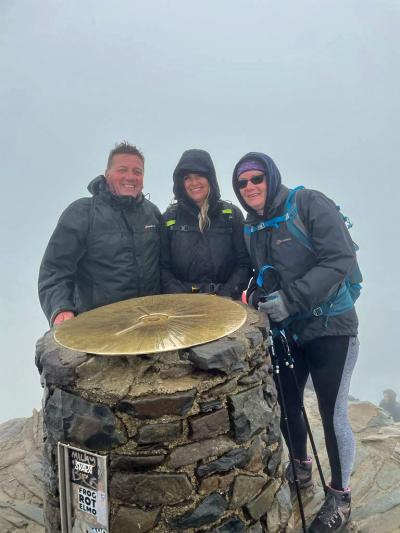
153,433
77,421
24,511
279,514
235,458
223,388
224,355
233,525
256,453
134,520
209,425
52,516
191,453
151,488
245,488
56,364
179,403
273,433
262,503
210,405
254,337
129,463
250,413
216,483
258,374
255,528
270,393
380,505
210,510
54,373
176,371
257,358
274,461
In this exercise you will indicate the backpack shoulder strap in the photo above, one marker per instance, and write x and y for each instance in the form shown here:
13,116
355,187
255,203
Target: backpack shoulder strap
171,220
293,221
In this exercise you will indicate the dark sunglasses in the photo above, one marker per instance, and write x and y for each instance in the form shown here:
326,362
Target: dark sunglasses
255,180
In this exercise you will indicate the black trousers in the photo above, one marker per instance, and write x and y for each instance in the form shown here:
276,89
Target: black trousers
330,361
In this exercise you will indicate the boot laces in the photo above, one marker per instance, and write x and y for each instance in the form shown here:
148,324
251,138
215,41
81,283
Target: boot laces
330,512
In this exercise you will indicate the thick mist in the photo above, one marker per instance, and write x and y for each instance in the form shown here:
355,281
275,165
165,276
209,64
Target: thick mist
313,84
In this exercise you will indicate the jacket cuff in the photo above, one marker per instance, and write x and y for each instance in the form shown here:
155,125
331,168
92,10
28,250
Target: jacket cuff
58,311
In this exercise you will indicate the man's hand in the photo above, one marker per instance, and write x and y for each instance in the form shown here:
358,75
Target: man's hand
63,316
275,307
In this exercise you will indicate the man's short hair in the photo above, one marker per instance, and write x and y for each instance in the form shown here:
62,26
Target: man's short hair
124,148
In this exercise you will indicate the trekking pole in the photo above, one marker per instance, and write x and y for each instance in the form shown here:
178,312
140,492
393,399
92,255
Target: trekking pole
275,366
289,362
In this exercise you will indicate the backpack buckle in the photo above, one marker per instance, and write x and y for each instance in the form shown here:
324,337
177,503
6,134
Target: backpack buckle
318,311
185,227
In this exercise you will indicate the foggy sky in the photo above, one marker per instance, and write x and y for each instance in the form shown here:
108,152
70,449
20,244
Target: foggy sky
313,84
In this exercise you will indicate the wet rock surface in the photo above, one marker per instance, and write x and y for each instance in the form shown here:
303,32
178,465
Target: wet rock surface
250,413
156,406
179,428
153,433
209,425
375,482
135,520
224,355
191,449
245,489
209,510
150,488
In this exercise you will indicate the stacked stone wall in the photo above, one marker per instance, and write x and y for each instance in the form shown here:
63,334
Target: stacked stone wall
192,436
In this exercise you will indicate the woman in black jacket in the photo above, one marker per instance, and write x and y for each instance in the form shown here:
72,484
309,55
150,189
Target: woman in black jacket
306,279
202,246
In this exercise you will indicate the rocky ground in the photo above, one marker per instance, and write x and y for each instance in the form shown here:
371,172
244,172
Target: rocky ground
376,478
21,475
375,482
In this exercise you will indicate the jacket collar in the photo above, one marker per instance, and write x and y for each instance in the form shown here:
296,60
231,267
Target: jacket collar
274,210
98,187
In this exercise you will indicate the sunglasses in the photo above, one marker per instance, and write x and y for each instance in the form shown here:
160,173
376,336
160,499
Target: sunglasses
255,180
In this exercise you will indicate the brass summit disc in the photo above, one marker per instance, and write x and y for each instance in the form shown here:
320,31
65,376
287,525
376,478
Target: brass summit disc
151,324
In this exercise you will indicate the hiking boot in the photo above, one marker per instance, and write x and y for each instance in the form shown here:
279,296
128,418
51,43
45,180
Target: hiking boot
303,472
334,513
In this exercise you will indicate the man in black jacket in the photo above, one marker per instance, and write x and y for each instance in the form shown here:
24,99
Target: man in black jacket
104,248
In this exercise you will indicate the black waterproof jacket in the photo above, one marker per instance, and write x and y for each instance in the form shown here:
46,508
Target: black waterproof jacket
307,278
103,250
215,261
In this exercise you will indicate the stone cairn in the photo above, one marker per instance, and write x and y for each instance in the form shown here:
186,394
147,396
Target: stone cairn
192,435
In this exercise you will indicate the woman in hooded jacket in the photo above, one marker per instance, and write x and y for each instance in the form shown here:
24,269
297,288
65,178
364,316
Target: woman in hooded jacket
303,259
202,245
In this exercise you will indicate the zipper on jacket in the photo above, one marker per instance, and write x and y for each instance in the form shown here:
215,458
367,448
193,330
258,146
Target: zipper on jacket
132,233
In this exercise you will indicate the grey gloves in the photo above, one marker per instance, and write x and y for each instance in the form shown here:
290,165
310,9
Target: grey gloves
275,307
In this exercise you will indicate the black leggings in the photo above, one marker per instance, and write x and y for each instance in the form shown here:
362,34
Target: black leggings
330,360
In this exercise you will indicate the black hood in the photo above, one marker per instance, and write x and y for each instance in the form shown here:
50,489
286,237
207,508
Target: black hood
98,186
274,183
199,162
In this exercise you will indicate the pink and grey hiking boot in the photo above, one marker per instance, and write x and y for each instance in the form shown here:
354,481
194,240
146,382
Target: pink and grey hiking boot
334,513
303,472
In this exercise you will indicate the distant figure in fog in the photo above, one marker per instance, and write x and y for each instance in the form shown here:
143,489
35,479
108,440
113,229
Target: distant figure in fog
390,405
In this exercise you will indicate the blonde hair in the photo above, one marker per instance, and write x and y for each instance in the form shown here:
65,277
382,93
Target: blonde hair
204,219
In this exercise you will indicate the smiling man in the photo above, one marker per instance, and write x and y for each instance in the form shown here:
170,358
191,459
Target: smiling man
105,248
